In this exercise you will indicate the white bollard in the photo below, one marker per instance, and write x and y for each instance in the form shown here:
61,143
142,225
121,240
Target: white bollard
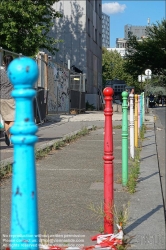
131,96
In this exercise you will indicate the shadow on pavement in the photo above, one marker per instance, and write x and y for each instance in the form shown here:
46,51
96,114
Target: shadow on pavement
142,219
147,157
148,144
147,177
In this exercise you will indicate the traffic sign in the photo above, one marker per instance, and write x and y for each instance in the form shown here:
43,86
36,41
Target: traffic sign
148,72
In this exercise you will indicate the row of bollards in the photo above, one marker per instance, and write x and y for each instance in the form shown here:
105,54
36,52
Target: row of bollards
137,112
23,73
137,105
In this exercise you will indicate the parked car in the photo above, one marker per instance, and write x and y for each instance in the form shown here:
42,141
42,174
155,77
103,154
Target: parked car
151,101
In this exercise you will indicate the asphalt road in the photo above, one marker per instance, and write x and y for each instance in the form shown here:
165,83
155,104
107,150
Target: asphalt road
160,113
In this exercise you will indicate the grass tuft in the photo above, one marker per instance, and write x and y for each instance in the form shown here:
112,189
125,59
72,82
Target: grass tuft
5,172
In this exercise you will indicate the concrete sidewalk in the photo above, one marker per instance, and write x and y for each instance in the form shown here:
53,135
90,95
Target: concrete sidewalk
58,126
70,185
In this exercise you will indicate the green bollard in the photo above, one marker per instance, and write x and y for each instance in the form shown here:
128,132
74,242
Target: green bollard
124,138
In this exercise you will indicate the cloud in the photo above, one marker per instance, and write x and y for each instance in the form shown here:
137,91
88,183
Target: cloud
113,8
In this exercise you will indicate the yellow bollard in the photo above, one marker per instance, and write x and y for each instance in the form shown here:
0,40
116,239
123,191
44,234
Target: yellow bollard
136,122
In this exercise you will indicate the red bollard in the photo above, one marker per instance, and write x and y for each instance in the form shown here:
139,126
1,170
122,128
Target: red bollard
108,163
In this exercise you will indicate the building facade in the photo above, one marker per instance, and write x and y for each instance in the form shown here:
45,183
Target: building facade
138,31
121,43
80,30
105,30
121,51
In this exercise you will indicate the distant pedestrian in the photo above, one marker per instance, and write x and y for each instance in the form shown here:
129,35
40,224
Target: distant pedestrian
6,101
132,91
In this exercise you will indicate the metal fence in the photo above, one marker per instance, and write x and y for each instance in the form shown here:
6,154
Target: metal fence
40,100
4,52
58,89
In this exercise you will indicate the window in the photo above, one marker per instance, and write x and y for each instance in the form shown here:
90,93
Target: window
88,26
95,6
96,35
100,40
100,10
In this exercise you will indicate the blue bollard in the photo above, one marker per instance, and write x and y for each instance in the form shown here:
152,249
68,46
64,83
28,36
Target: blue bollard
140,111
23,73
143,108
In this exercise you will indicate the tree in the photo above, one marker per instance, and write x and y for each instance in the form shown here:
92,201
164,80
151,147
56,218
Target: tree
25,25
148,53
113,67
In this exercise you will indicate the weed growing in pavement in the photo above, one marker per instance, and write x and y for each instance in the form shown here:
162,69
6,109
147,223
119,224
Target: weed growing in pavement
120,217
39,154
125,243
118,179
5,171
134,172
62,143
135,165
142,132
133,176
117,127
45,240
98,211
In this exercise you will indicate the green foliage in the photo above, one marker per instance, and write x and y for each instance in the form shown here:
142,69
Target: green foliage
25,25
117,127
142,132
113,67
41,153
90,106
5,171
133,176
148,53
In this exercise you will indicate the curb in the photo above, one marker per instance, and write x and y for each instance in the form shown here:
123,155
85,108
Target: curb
49,144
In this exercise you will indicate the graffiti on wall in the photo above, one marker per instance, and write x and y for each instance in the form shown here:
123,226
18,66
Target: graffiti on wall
58,85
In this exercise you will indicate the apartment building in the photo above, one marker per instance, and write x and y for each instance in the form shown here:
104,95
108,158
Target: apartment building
121,43
105,30
80,30
138,31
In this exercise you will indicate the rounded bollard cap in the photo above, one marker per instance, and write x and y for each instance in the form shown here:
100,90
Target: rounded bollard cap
124,94
23,71
108,91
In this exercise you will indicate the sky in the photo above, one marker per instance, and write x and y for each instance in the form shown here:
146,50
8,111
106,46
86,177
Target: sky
132,13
